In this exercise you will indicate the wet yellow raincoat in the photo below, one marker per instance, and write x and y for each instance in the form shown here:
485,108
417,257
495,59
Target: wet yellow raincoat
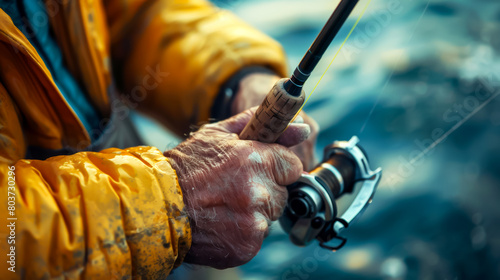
114,214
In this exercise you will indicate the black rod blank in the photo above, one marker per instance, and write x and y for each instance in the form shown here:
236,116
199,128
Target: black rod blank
294,85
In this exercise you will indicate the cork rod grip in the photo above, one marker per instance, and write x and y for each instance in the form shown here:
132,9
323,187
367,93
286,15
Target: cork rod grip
273,115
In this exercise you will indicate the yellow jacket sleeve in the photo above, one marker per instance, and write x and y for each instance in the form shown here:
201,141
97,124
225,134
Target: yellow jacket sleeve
116,214
171,57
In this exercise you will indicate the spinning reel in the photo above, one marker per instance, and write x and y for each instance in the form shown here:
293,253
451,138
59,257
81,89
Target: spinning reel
311,211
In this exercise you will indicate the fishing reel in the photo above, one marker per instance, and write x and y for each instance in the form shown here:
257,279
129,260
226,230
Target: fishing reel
311,211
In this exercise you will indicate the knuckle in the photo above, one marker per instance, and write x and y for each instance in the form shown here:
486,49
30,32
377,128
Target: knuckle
260,223
230,136
259,194
240,147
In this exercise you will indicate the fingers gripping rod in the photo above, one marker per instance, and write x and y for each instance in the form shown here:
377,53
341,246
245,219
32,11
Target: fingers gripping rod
311,212
287,96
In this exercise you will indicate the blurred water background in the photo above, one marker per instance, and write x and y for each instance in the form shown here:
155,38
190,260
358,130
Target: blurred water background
411,72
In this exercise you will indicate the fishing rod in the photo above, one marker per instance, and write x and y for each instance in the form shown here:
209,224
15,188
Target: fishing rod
313,55
287,96
311,211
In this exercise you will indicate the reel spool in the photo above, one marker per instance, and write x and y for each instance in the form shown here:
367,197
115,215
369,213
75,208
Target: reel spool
311,211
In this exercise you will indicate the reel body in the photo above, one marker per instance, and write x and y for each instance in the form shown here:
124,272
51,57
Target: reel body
311,211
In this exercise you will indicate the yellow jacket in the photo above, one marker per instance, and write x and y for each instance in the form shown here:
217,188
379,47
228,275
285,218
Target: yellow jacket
114,214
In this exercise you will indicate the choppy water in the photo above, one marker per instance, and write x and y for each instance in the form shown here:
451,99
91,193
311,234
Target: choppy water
411,71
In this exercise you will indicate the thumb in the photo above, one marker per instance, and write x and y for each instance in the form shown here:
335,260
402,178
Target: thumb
294,134
237,123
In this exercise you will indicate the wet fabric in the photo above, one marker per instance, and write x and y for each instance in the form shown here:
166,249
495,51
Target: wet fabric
114,213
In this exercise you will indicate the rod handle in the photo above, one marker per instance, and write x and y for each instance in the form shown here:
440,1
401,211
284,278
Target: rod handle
273,115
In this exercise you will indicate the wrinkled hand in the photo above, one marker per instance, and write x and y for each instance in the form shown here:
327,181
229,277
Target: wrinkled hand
252,90
233,188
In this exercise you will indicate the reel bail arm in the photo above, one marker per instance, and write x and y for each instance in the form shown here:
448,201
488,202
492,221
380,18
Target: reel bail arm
311,212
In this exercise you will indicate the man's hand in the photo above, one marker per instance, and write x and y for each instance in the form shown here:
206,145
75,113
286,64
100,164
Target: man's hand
233,188
252,90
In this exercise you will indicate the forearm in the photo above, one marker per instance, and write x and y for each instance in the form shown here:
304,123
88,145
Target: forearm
245,89
97,215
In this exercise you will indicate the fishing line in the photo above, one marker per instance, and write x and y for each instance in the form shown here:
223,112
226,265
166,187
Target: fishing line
334,57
